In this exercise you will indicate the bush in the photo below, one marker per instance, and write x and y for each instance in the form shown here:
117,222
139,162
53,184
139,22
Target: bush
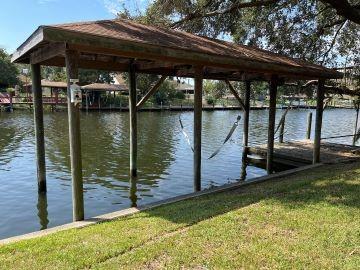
210,100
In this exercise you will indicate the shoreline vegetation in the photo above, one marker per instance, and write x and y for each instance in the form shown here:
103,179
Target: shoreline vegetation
310,219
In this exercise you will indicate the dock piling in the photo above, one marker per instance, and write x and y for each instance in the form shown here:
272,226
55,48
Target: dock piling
197,127
271,127
39,127
133,120
309,123
318,120
72,63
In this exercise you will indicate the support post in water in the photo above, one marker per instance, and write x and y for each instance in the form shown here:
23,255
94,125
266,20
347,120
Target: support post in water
357,107
271,127
246,114
318,120
39,127
72,60
309,123
197,126
133,120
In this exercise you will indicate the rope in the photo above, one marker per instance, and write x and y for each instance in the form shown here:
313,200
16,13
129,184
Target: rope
185,134
227,137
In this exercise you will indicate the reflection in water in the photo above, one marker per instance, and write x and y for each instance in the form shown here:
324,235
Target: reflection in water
42,210
164,166
133,189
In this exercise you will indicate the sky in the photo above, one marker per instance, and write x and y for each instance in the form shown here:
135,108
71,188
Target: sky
20,18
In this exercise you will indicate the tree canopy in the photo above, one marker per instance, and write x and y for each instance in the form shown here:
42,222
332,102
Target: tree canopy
8,71
326,32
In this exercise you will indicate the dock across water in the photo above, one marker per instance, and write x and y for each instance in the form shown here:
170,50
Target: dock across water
300,153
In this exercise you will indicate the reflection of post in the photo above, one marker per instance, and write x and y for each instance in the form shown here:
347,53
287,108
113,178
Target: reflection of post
133,190
42,211
309,123
244,164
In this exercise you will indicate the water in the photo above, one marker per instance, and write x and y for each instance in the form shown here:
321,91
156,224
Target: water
164,160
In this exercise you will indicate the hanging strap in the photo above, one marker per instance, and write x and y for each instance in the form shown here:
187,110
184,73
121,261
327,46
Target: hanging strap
227,137
185,134
283,117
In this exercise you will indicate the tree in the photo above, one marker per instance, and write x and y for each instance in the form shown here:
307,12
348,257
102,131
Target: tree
319,31
8,71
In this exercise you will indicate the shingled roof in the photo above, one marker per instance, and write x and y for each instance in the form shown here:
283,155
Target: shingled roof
162,51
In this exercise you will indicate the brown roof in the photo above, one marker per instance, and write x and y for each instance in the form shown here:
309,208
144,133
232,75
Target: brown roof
47,83
133,40
105,87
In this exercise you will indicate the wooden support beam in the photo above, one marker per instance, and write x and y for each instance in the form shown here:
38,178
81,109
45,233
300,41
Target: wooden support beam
309,123
318,120
357,107
133,120
72,61
151,91
197,126
48,52
39,127
282,130
246,114
236,95
271,127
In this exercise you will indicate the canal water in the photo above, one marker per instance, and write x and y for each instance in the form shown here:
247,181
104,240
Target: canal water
165,160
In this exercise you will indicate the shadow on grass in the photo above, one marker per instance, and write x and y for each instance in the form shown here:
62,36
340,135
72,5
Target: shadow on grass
338,185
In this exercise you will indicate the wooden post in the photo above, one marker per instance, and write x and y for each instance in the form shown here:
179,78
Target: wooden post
309,123
271,127
133,120
282,129
197,126
39,127
246,114
72,59
357,107
318,121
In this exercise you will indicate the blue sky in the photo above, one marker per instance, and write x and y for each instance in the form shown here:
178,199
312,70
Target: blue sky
19,18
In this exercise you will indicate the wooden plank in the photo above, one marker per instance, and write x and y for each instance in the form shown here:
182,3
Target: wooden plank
151,91
271,127
197,127
111,46
39,127
47,52
236,95
133,120
318,120
72,58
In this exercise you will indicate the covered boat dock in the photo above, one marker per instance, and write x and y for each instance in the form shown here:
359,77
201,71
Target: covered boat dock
126,46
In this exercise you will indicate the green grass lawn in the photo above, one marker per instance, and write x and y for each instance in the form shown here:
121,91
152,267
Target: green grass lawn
310,220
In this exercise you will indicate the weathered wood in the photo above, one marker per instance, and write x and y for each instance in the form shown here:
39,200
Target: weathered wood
246,113
357,107
133,120
151,91
197,127
75,139
111,46
236,95
309,124
39,127
318,121
271,127
47,52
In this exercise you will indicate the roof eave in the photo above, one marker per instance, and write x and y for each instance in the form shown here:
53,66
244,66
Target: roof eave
22,52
